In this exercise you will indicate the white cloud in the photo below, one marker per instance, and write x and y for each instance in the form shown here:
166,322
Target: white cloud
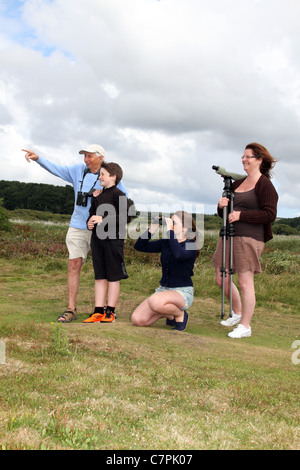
168,87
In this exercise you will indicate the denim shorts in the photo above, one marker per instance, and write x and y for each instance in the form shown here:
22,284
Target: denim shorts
186,292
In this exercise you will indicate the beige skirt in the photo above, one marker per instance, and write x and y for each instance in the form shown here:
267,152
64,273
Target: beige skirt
246,254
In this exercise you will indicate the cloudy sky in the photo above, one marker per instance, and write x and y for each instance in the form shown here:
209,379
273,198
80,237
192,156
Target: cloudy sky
168,87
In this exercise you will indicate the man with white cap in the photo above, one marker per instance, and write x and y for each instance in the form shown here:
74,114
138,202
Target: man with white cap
84,178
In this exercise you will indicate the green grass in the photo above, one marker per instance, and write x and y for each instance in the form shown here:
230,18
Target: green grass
116,386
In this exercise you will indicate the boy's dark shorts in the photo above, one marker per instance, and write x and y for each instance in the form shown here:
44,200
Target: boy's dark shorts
108,259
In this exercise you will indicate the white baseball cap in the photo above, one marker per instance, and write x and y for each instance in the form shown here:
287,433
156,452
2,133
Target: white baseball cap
94,148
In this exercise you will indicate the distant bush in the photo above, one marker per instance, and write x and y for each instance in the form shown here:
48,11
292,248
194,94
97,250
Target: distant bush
283,229
4,221
212,222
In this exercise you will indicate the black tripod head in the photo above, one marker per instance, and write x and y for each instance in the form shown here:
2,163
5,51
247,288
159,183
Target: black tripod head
227,190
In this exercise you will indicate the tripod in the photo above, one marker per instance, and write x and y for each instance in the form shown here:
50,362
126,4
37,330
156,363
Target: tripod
227,230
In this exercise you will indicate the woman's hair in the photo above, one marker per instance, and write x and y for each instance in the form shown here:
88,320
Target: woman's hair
189,223
268,162
114,170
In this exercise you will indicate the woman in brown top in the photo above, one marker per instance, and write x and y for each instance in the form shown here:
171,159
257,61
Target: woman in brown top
254,209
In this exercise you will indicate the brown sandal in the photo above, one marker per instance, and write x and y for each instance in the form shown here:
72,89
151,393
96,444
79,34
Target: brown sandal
67,316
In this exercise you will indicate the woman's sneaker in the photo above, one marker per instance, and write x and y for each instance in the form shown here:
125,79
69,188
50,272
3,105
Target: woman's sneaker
170,322
181,326
231,321
240,332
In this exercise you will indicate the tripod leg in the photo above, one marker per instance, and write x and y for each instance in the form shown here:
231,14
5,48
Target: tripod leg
223,268
225,233
231,235
230,275
223,295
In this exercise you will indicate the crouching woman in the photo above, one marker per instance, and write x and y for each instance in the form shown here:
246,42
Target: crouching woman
175,295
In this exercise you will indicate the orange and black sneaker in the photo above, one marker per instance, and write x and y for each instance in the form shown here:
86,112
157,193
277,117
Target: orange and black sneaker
94,318
108,317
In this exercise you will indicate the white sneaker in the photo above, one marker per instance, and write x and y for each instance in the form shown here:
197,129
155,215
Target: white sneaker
231,321
240,332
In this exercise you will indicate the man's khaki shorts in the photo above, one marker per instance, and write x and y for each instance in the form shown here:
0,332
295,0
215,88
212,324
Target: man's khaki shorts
78,243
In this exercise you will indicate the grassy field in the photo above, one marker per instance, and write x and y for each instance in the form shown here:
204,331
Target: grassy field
116,386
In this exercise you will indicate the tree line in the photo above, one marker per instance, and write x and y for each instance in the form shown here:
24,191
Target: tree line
60,200
37,196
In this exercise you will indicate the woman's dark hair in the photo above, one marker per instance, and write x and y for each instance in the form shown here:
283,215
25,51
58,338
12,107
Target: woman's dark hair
188,222
268,162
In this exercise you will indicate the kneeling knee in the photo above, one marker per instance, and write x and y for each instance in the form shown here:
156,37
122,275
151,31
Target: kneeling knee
136,320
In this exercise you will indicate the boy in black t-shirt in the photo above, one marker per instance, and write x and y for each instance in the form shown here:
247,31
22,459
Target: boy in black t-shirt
108,220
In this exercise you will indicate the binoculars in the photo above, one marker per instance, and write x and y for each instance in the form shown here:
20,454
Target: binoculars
159,220
82,198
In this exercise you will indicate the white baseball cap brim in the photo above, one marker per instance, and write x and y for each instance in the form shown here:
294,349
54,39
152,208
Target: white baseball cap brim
94,148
